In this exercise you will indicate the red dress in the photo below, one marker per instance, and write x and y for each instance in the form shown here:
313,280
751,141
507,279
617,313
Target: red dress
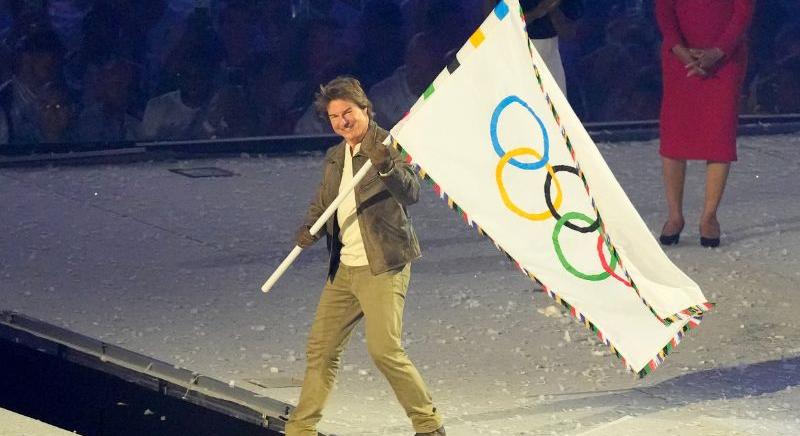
699,115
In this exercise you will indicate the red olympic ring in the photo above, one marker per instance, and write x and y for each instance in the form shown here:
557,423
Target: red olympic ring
606,267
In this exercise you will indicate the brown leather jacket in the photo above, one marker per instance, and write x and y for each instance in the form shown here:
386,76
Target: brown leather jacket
389,239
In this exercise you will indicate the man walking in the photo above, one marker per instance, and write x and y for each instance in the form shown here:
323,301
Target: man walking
371,244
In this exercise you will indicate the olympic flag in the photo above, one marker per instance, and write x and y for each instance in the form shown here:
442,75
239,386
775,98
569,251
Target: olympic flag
500,143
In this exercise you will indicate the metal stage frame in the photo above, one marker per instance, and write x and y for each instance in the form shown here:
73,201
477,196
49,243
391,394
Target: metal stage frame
146,372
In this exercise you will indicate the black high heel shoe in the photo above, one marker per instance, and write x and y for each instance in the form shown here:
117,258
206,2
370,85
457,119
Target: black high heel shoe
708,242
670,239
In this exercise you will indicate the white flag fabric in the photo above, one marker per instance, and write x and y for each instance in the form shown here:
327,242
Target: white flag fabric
500,143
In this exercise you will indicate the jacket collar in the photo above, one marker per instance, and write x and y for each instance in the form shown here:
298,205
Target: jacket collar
338,153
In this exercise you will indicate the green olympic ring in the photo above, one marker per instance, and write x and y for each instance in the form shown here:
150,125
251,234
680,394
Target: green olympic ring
591,277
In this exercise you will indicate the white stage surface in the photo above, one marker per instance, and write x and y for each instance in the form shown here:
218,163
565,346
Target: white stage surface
170,266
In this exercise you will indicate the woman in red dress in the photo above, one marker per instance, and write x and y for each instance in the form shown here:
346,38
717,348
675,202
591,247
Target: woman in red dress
704,58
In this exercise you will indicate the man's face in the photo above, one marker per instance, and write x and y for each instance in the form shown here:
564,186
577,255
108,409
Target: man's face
116,87
55,114
348,120
41,67
195,86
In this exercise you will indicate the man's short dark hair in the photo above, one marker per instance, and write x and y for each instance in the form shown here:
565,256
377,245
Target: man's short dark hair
341,88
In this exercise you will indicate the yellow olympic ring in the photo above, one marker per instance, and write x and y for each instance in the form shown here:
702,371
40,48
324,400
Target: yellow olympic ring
504,195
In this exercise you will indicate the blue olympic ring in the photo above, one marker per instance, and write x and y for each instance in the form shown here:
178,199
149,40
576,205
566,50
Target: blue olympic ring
496,142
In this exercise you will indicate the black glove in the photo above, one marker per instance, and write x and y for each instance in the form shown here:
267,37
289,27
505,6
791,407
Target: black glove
376,151
304,238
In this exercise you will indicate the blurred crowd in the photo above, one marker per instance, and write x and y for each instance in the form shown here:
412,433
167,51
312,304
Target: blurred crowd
160,70
613,61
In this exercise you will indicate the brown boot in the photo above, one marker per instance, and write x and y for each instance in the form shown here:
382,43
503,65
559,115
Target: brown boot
439,432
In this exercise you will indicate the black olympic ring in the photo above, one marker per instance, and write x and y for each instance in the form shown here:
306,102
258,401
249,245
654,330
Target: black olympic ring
586,229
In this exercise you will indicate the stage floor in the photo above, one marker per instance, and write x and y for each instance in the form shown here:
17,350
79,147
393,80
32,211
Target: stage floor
171,266
12,424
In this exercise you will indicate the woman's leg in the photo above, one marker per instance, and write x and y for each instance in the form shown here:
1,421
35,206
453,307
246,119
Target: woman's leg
674,172
716,177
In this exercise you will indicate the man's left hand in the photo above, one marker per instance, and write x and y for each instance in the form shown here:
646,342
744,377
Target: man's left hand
376,151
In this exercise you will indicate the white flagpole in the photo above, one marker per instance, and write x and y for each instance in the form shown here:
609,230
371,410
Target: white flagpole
317,226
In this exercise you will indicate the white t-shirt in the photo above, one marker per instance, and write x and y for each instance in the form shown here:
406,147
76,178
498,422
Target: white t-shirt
353,253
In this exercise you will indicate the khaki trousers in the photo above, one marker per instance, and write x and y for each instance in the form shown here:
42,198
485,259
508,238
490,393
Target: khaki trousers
354,294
